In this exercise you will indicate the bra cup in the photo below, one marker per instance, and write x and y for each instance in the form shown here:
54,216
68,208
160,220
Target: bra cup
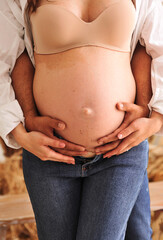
49,34
117,30
55,28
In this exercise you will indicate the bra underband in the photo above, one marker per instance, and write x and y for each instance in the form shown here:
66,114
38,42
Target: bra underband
56,29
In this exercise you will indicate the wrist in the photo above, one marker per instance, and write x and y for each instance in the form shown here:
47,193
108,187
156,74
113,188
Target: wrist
157,118
145,110
19,133
30,113
30,122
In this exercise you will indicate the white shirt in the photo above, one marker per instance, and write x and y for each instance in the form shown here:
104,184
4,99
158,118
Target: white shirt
16,35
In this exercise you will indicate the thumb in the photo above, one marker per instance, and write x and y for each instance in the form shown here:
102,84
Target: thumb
57,124
126,107
56,143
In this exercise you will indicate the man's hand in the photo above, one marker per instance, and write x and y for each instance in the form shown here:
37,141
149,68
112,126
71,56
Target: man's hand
135,128
43,124
47,125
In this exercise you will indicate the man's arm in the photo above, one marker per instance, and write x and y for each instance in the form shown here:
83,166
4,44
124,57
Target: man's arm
24,70
152,39
141,68
22,82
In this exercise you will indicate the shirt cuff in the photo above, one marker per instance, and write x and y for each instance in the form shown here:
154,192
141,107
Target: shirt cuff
11,115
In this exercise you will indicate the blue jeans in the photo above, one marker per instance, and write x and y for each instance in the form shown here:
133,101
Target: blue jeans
138,226
91,200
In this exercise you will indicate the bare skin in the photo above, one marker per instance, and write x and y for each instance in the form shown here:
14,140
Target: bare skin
85,103
39,143
85,18
50,130
136,126
38,124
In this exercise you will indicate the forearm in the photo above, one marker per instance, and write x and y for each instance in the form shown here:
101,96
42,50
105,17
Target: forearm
141,68
22,81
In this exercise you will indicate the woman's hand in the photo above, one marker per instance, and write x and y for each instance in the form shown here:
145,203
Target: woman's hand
40,145
46,125
135,128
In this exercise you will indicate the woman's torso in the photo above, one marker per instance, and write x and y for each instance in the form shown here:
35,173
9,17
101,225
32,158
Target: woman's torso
81,86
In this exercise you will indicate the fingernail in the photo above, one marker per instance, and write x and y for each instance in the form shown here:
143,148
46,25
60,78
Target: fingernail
120,136
62,144
61,125
121,105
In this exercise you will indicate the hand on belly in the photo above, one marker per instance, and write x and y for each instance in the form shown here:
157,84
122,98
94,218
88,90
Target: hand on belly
87,125
81,89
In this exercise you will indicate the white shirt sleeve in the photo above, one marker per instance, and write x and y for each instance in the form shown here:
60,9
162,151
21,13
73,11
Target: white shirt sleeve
11,46
152,38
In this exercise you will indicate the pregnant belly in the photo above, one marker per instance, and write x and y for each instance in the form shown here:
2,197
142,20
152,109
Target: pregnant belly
83,93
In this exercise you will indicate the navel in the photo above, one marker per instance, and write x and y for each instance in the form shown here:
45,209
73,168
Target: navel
87,111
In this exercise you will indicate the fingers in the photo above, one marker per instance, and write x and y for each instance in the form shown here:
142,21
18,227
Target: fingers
127,107
129,142
108,139
127,131
113,136
54,156
107,147
56,143
56,124
134,110
61,143
74,147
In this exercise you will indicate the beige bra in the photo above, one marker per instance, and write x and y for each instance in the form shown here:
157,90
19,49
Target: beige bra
56,29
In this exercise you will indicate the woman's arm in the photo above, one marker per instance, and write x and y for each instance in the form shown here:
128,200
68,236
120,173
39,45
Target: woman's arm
11,46
11,114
